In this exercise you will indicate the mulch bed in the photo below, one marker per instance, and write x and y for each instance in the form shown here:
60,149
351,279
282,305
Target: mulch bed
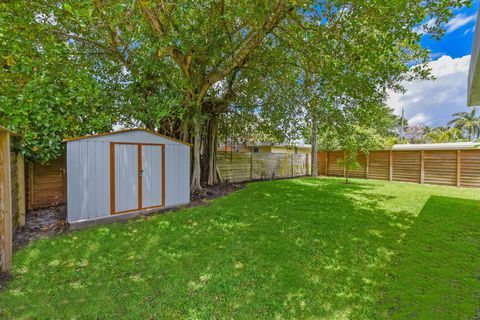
45,222
212,192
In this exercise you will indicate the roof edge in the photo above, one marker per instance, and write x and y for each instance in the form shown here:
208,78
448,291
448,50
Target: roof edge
125,130
437,146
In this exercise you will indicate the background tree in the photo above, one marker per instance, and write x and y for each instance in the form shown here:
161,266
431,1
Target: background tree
468,122
444,135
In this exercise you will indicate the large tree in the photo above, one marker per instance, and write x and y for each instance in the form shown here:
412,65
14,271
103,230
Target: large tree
173,66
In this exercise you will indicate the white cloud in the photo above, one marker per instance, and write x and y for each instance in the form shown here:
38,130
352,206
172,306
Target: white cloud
432,102
459,21
420,119
472,29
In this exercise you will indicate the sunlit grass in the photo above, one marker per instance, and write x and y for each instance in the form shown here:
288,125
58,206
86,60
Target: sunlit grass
300,248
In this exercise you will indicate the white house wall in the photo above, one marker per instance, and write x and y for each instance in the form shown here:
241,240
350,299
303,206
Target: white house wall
88,173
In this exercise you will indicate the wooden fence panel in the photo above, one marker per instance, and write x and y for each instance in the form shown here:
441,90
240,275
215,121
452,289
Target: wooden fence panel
47,184
379,165
322,163
236,166
470,168
406,166
361,171
333,168
14,188
440,167
300,164
5,203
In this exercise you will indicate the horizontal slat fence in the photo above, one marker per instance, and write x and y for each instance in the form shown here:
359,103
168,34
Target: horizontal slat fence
406,166
379,165
459,168
440,167
245,166
46,184
361,171
333,169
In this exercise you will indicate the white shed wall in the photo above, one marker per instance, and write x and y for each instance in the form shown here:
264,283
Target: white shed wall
88,173
88,179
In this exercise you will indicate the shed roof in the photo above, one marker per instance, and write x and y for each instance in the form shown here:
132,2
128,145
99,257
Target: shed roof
271,144
437,146
126,130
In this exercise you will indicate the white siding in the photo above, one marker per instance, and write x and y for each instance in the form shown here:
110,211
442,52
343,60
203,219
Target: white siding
152,176
88,173
88,179
126,177
177,174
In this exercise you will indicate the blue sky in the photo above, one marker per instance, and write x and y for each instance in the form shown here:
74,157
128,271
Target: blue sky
432,102
456,43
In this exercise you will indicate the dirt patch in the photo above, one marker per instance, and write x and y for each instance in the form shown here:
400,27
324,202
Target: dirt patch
212,192
4,278
46,222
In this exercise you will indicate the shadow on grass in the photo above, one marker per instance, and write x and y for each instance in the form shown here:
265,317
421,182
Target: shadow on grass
438,275
304,248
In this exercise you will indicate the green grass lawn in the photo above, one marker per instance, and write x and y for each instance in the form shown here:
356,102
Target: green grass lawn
301,248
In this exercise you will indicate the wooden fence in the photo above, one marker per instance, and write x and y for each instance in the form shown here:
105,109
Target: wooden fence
244,166
459,168
12,195
46,184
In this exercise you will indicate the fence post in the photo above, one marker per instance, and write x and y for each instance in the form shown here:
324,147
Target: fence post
251,165
390,174
21,189
367,166
30,185
291,164
459,168
326,165
5,203
422,166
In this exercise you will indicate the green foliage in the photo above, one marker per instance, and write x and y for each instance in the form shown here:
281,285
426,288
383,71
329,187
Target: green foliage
468,122
302,249
45,94
443,135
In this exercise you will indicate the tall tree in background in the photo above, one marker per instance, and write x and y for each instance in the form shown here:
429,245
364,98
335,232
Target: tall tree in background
468,122
443,135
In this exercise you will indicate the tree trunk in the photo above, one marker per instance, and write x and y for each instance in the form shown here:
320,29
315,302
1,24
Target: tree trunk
314,147
196,169
211,150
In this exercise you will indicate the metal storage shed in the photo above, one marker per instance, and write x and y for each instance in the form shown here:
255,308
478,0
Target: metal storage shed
122,173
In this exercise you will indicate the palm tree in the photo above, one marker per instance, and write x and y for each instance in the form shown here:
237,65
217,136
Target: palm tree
442,135
468,122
